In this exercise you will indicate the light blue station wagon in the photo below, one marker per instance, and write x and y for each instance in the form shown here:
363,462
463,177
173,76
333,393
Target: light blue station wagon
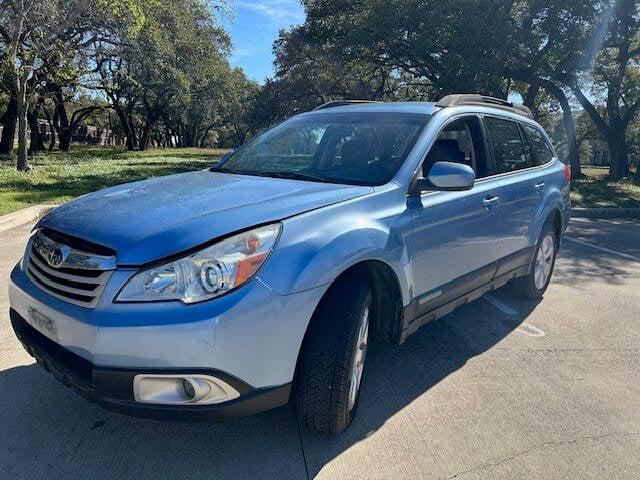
229,291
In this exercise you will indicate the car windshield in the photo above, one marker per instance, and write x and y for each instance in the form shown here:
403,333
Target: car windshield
351,148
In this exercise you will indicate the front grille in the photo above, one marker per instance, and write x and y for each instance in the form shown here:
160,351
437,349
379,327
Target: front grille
79,278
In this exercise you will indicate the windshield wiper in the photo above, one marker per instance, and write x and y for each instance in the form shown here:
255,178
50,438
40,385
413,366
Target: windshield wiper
296,176
226,170
276,174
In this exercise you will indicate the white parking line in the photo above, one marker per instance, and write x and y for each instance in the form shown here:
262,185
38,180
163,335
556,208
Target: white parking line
603,249
503,307
525,328
530,330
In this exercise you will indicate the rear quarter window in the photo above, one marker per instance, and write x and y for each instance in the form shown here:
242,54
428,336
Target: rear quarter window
541,149
508,148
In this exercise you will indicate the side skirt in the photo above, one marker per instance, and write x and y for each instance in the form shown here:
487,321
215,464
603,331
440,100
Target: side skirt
416,321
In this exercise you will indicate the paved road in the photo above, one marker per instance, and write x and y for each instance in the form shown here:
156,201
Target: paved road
500,389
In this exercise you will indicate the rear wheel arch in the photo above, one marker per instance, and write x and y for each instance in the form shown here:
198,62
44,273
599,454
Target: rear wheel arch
553,218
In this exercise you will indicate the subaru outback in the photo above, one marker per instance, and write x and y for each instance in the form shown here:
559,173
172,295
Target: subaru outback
229,291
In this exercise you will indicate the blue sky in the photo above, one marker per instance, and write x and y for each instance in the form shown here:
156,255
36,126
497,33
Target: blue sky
254,28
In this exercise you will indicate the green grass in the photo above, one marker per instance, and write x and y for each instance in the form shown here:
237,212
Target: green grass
595,191
60,176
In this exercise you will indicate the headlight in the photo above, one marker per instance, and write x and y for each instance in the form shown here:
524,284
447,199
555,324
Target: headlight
207,273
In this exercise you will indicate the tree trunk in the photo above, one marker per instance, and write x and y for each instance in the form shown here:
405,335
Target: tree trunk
132,138
64,136
130,141
569,126
52,141
23,158
52,130
144,138
64,131
167,133
126,128
152,118
9,119
530,97
35,143
618,154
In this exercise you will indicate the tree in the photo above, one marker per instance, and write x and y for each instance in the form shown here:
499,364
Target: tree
8,120
545,37
38,33
234,120
431,42
172,70
610,68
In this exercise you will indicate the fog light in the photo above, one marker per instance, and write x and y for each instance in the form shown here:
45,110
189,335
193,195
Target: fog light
182,389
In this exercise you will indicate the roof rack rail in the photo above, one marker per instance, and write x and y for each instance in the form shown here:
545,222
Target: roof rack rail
341,103
483,100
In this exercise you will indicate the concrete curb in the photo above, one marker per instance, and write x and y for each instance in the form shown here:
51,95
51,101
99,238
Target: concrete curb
20,217
605,212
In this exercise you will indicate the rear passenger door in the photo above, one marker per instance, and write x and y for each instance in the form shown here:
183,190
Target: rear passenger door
520,188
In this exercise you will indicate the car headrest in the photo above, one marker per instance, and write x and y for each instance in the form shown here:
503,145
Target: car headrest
445,150
355,153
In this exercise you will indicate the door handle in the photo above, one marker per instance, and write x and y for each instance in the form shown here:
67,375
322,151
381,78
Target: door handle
490,201
539,186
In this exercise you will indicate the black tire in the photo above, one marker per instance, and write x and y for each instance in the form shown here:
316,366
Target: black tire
323,378
525,287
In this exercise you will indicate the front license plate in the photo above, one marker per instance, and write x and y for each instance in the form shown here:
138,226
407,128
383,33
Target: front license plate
43,323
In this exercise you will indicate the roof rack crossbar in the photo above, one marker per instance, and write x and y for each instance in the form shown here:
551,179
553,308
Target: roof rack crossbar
480,100
341,103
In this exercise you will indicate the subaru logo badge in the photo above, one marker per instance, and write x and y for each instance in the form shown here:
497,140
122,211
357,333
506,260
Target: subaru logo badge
56,257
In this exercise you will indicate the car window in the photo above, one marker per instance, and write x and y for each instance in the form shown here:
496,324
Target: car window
352,148
459,142
541,148
460,133
508,150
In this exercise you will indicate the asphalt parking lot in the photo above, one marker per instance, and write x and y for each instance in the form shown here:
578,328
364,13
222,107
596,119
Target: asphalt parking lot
499,389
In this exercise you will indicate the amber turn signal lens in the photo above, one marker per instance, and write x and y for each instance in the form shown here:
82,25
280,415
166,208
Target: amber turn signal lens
248,267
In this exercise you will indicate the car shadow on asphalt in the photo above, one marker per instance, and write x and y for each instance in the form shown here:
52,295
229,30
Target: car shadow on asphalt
46,430
580,265
396,376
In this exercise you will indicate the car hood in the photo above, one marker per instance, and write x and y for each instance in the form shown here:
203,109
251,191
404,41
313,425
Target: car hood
151,219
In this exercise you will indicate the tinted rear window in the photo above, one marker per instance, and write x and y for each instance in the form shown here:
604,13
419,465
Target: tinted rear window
508,149
541,148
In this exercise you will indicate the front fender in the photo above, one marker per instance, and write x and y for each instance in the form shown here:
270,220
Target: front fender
315,248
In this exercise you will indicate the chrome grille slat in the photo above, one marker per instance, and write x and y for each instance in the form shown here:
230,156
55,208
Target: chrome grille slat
83,287
60,286
67,276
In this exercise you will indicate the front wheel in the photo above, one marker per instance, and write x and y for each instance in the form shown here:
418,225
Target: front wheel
333,356
533,285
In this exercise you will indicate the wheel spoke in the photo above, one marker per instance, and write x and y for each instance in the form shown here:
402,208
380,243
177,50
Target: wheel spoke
357,366
544,261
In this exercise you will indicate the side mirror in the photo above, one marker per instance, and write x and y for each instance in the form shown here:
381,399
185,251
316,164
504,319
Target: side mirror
446,176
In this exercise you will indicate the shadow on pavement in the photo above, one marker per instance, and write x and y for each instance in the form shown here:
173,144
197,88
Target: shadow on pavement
582,264
396,376
47,431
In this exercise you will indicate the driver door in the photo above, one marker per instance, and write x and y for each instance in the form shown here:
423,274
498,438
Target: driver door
454,239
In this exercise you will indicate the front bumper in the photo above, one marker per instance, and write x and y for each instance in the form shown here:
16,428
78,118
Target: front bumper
112,388
252,333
